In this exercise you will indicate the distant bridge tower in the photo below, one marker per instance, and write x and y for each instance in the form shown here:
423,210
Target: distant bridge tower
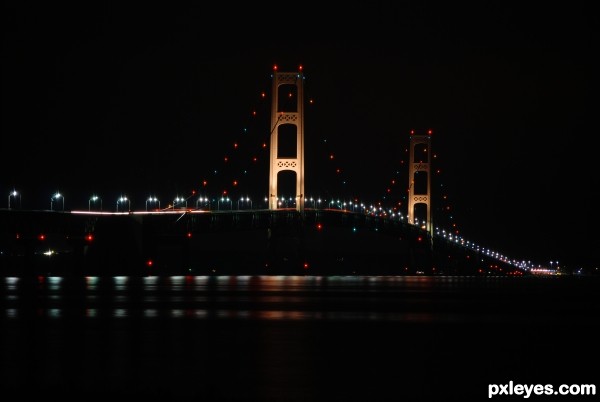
280,117
419,184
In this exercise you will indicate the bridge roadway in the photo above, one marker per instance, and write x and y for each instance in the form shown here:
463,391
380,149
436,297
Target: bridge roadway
244,242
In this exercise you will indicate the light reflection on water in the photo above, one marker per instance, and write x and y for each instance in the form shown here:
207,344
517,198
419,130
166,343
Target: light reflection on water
245,338
418,299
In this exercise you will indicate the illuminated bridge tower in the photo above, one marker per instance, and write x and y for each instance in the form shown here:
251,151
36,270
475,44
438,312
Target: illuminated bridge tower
419,181
287,111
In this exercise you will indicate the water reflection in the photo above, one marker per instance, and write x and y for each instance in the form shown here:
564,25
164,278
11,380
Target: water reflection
417,299
264,338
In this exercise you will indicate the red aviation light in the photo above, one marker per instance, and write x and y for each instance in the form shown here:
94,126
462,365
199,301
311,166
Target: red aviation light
89,237
274,67
429,132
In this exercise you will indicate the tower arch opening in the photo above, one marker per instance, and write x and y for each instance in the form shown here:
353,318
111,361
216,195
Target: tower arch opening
287,141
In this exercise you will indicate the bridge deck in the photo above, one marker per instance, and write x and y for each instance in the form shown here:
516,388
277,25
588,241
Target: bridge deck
226,242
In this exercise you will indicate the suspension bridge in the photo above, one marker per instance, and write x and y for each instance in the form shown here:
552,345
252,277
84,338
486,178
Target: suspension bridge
208,234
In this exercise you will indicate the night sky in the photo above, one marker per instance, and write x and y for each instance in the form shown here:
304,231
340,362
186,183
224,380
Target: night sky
149,100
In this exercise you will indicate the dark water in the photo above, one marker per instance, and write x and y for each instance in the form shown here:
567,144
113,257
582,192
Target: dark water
294,338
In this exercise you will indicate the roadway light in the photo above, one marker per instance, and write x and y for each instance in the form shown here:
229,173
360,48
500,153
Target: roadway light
204,200
94,199
123,199
56,196
247,199
179,199
223,199
14,194
152,200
